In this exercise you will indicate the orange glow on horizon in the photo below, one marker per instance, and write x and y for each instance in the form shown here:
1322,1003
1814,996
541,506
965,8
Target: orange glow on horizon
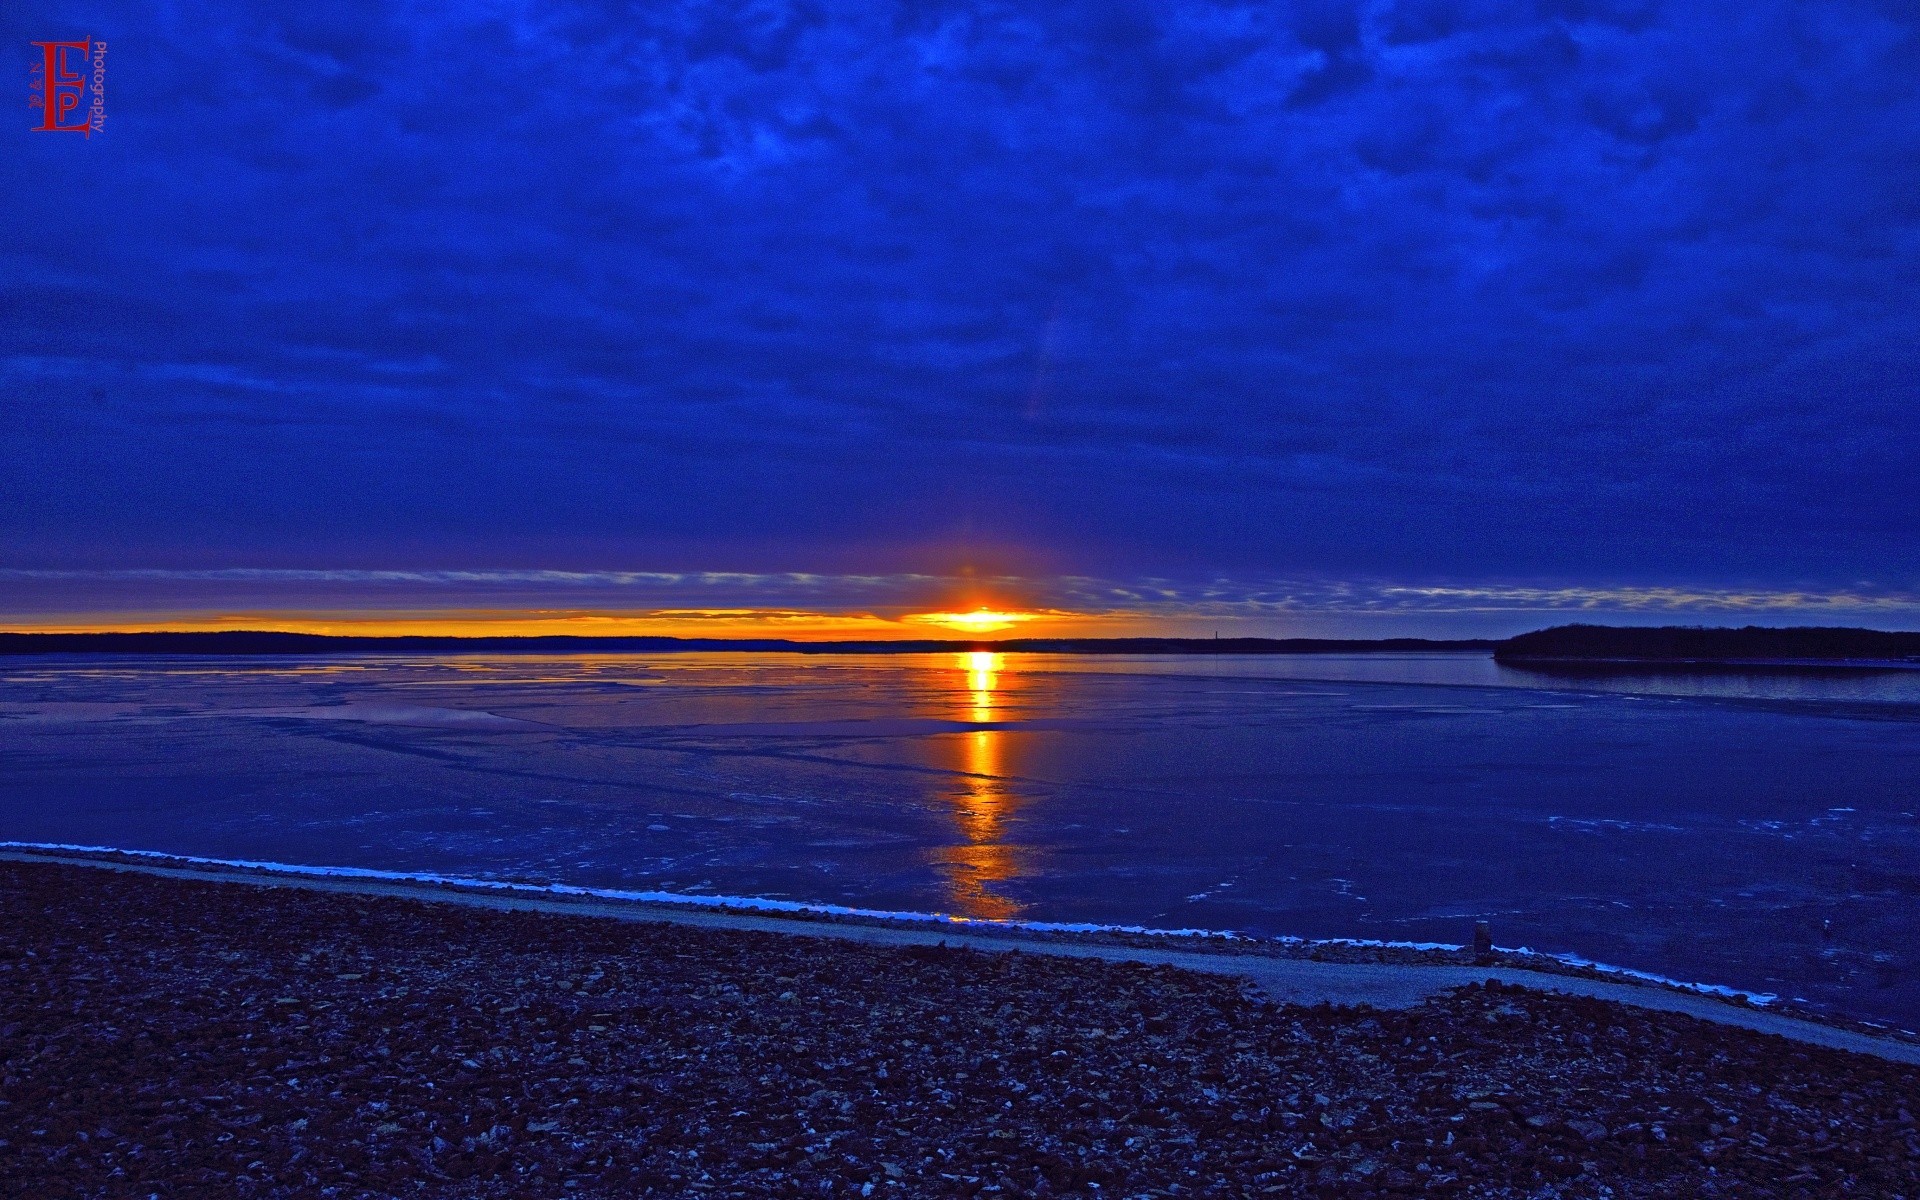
796,624
980,620
799,625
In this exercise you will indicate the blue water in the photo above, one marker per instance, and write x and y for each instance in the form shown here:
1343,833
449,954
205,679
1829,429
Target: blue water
1758,831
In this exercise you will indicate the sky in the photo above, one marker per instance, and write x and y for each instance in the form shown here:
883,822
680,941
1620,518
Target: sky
1407,317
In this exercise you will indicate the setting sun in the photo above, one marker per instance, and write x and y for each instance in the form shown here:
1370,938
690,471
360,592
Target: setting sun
980,620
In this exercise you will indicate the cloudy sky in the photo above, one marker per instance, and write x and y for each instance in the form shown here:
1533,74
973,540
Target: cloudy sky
1398,316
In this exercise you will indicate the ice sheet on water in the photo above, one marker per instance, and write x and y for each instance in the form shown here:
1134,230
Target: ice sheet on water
393,714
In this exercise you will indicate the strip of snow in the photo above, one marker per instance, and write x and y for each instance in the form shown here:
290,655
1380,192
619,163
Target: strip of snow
748,903
1704,989
761,904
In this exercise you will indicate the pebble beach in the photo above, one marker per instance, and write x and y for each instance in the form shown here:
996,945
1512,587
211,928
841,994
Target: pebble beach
183,1038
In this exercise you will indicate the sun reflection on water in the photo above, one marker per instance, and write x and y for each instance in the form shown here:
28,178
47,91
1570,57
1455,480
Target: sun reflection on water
982,802
983,673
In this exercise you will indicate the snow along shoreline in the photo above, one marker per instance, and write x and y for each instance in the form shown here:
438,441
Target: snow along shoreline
807,909
1291,971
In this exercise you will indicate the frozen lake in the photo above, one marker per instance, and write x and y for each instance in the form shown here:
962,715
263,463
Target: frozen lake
1755,831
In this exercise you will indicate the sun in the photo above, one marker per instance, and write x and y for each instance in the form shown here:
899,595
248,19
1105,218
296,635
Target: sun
980,620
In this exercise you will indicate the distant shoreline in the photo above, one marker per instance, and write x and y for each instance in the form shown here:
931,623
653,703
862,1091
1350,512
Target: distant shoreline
1597,649
269,642
1564,649
1572,665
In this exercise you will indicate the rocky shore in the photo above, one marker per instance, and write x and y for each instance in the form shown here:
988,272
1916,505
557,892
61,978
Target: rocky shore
178,1038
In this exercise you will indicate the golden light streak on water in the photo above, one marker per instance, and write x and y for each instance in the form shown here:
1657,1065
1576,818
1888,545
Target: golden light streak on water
983,672
982,803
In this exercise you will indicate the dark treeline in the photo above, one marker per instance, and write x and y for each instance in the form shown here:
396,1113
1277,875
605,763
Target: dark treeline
1565,643
266,642
1676,643
1230,645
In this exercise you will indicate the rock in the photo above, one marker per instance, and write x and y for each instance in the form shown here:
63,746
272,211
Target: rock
1592,1131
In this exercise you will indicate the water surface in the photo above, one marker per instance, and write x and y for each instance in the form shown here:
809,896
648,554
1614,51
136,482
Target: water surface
1756,831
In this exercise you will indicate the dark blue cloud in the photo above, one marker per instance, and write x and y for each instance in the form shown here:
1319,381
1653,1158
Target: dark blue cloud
1580,290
